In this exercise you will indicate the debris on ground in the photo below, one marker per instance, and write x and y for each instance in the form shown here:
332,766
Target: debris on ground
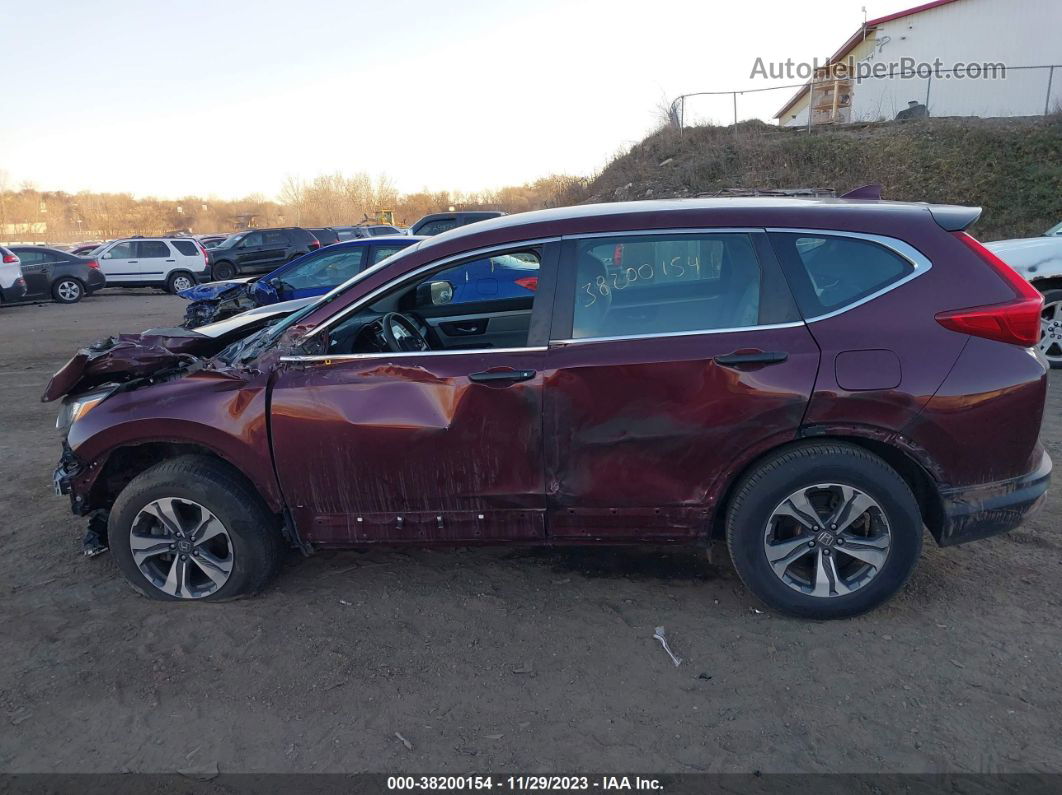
659,635
405,742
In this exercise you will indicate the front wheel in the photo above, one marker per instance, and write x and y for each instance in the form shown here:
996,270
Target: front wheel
192,529
824,530
68,290
1051,328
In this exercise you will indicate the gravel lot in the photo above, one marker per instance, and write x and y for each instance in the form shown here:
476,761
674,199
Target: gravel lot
515,660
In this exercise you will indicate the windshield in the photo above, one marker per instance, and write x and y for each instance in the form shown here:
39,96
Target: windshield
231,240
256,343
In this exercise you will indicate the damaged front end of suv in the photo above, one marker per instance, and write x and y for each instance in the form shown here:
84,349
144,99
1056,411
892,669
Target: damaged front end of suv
200,381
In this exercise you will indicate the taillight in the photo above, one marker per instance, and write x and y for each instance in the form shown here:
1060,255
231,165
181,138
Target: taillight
1016,322
10,259
206,258
314,245
528,283
93,264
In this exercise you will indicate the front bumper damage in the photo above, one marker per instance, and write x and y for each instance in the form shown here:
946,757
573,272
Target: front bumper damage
65,480
975,512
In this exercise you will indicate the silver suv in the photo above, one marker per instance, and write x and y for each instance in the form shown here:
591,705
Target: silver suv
172,263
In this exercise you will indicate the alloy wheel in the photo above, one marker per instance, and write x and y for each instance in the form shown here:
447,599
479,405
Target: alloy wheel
181,548
827,540
68,290
181,283
1051,332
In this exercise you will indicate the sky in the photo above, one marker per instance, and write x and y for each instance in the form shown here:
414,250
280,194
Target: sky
226,98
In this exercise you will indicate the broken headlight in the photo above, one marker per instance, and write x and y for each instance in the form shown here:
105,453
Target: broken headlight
74,408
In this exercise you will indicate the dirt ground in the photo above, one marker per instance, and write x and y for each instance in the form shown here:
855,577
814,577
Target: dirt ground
504,659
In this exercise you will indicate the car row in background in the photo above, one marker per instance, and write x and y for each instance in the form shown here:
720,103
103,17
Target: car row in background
177,263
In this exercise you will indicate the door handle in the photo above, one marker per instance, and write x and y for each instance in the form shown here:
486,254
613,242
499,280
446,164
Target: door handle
502,375
751,358
171,260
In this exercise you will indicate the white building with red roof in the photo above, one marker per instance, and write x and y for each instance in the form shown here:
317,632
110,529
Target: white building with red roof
948,42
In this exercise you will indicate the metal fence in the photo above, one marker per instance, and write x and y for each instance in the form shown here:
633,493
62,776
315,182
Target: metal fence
1022,91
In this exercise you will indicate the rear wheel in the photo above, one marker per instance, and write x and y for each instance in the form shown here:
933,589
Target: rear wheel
1051,328
191,529
223,271
824,530
179,281
68,290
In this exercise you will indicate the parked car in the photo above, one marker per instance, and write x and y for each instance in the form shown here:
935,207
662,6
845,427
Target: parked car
326,236
310,275
1039,260
437,223
367,230
12,284
259,251
173,264
51,273
812,380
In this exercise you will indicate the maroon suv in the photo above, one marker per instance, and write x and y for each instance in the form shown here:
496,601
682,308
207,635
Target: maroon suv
814,380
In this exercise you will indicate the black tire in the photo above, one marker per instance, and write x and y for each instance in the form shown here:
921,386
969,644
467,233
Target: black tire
256,540
1053,350
174,284
67,290
805,466
221,271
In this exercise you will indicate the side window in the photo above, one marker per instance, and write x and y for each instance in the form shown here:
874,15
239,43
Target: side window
153,249
839,270
275,238
382,252
660,284
482,280
326,271
124,250
252,240
29,257
438,227
186,247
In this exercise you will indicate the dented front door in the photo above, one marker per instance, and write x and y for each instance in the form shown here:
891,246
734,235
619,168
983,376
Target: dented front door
412,447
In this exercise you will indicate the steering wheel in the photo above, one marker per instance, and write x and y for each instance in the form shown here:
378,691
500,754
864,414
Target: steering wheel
401,334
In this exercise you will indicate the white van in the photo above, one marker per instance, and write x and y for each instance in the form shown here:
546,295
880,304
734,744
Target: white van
172,263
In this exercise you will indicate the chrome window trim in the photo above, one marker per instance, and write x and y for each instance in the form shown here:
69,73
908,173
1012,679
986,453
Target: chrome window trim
666,334
343,357
919,261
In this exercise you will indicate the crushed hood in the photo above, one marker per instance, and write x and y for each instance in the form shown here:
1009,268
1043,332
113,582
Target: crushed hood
128,356
216,291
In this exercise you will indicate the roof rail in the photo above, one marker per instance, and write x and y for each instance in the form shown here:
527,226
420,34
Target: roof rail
871,191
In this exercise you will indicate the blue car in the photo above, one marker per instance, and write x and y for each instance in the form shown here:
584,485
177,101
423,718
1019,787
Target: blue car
310,275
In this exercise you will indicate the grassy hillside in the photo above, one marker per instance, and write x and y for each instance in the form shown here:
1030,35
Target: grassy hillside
1011,167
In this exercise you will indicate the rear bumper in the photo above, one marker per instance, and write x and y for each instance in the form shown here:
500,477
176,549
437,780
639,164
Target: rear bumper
975,512
95,280
16,292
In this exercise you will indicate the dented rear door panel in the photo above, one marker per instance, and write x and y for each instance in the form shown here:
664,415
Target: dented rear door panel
642,435
388,448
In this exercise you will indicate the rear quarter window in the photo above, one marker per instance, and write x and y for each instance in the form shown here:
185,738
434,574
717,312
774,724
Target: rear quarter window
830,272
186,247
